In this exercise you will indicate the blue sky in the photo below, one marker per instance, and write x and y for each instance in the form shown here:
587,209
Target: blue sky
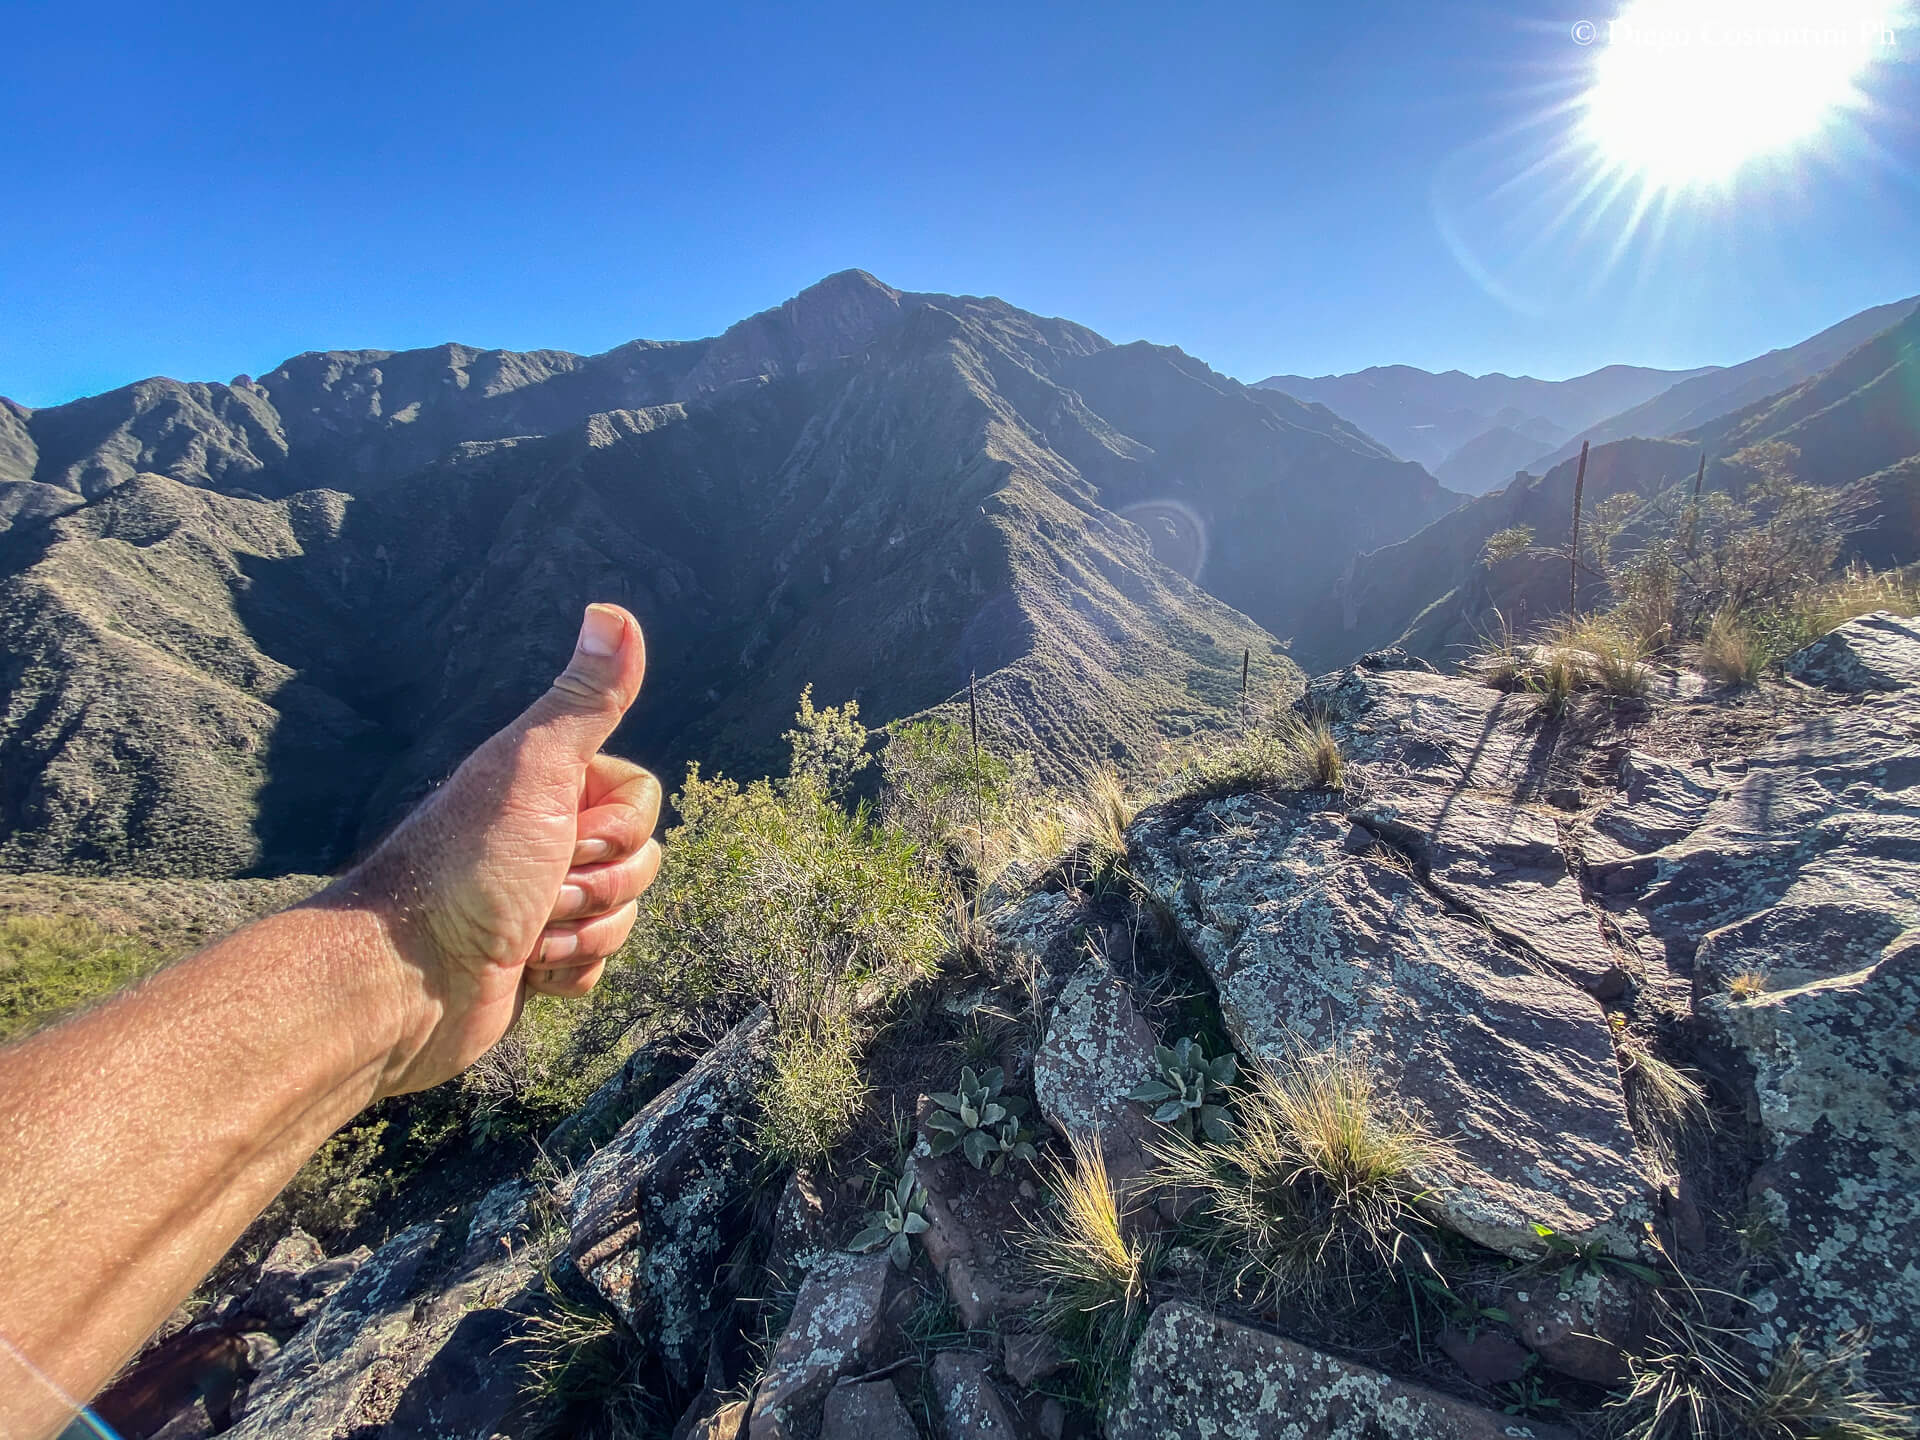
198,191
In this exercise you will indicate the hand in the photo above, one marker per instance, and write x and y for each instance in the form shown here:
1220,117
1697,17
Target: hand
521,872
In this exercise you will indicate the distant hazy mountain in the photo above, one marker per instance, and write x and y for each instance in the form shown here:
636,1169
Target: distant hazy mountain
1693,404
1856,424
1452,422
241,625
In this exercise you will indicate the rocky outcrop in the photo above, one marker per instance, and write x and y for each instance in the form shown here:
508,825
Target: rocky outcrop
1880,651
867,1411
1096,1052
1197,1377
971,1406
838,1328
655,1210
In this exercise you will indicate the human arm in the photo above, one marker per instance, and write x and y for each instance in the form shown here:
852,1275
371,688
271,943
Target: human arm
137,1141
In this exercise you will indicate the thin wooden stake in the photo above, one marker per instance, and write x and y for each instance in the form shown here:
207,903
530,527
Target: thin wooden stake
1693,511
1573,550
1246,664
979,789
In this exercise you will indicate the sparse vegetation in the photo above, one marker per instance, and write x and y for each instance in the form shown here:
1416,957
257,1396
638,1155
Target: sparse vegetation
1730,652
583,1371
1188,1088
1318,1184
1690,1385
1747,985
1288,751
981,1121
1094,1272
53,965
901,1216
1505,544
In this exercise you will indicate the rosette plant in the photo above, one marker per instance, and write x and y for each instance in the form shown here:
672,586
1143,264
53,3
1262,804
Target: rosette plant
1186,1091
981,1121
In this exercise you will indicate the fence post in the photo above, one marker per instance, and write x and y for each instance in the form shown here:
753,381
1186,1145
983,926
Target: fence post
1573,550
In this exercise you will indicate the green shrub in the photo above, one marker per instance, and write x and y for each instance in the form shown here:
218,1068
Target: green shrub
981,1122
1505,544
826,748
815,1091
1287,752
51,966
1187,1087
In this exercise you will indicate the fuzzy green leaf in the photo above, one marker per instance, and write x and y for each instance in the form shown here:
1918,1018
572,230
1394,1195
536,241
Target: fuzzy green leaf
978,1146
1151,1092
915,1225
1169,1112
950,1124
1015,1106
1225,1070
870,1239
1216,1122
944,1143
946,1100
993,1115
900,1252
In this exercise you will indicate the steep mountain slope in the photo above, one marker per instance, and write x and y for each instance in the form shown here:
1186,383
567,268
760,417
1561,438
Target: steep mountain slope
1430,418
245,624
1856,425
1697,403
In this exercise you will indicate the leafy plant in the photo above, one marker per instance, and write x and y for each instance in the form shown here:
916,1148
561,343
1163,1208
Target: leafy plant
901,1216
1593,1258
814,1090
1505,544
981,1121
1184,1093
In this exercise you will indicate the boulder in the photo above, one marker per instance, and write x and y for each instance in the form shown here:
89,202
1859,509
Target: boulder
867,1411
317,1386
799,1240
471,1383
1834,1063
1581,1324
295,1280
1309,944
1030,1358
1197,1377
838,1327
1880,651
970,1407
653,1212
653,1065
1096,1051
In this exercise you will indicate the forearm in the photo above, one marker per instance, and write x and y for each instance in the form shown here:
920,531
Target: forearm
138,1141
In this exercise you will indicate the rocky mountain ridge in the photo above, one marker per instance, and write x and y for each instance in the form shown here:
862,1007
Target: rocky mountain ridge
1515,918
878,492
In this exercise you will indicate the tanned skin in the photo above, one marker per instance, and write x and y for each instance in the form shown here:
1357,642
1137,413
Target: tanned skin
139,1139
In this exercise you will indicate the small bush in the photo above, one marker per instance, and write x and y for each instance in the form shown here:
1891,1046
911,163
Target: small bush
1552,677
1608,654
1288,752
981,1121
826,748
1505,544
1731,653
1318,1184
1094,1274
584,1373
815,1092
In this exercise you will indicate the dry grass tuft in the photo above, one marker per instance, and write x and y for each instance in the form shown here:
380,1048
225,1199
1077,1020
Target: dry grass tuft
1094,1274
1731,653
1747,985
1689,1383
1610,655
1289,752
1319,1184
1668,1106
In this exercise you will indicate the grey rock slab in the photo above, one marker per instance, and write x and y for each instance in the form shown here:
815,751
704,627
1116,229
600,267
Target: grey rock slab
313,1389
837,1328
870,1410
970,1406
1579,1323
1502,863
1880,651
649,1069
654,1211
1442,730
1836,1066
1096,1051
472,1382
1827,814
1661,801
1197,1377
1310,945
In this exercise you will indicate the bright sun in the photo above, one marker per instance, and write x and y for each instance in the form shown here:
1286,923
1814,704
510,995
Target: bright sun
1685,91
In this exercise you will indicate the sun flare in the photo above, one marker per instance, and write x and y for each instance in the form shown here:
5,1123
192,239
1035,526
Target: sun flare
1686,91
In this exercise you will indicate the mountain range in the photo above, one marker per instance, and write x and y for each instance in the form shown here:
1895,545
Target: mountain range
1855,426
1475,433
243,625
